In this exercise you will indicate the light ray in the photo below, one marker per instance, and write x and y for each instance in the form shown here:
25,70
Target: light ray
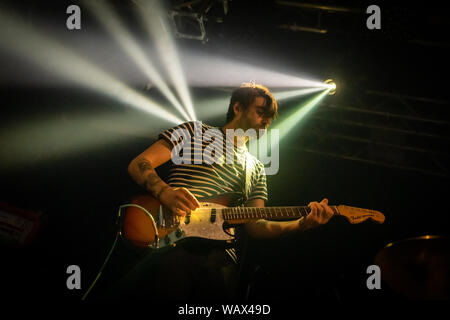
206,70
217,106
28,43
111,21
288,94
286,125
51,137
153,17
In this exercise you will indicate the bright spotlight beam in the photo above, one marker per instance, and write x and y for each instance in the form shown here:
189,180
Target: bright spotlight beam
206,70
284,95
286,125
214,107
152,16
46,137
46,53
111,21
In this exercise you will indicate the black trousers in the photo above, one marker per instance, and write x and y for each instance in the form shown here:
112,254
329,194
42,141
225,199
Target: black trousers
181,273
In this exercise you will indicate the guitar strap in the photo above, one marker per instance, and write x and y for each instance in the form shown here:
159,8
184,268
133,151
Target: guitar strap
247,181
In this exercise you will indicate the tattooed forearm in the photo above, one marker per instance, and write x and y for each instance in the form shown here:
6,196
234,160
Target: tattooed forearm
152,181
147,177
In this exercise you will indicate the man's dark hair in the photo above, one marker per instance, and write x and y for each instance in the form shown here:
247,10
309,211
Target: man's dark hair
246,94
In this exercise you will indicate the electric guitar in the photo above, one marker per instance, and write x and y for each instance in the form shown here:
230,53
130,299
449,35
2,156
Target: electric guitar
147,223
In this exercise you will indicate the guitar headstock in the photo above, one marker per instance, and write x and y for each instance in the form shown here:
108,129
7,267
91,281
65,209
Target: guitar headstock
357,215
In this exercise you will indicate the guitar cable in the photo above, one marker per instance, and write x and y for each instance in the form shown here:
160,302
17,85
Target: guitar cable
115,241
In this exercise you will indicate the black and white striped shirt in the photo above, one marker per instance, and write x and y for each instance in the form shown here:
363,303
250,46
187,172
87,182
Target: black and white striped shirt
201,163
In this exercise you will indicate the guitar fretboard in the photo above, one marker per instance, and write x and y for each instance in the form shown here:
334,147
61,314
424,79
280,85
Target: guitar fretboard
267,213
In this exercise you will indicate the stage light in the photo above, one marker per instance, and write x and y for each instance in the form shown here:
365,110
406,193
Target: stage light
111,21
50,55
154,19
189,25
331,85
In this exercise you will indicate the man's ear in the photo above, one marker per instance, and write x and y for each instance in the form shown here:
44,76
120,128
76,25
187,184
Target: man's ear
237,108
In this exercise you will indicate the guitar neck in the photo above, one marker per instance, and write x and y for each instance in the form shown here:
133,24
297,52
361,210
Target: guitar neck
238,215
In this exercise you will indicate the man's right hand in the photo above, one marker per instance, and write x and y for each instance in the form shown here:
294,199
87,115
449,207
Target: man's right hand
179,200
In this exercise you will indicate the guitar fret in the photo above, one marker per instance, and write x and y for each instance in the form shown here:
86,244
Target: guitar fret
304,211
246,213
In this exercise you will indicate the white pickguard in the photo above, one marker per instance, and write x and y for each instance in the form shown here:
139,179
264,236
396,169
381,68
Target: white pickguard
200,226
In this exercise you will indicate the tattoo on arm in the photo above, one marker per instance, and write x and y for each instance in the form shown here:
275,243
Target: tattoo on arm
144,165
150,180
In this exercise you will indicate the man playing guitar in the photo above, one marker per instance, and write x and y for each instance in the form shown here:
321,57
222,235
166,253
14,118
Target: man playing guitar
252,106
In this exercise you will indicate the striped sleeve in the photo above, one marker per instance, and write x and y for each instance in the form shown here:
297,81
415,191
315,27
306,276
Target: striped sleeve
259,184
178,136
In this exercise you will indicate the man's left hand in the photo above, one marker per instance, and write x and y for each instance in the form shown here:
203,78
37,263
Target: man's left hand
320,214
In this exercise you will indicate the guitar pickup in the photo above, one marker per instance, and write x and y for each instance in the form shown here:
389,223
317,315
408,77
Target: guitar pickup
213,215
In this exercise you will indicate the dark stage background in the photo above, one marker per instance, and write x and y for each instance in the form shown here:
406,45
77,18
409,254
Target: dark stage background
78,189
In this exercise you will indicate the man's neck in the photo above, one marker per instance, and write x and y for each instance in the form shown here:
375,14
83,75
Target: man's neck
232,126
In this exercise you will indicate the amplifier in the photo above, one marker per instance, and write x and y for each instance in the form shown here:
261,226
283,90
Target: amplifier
17,226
